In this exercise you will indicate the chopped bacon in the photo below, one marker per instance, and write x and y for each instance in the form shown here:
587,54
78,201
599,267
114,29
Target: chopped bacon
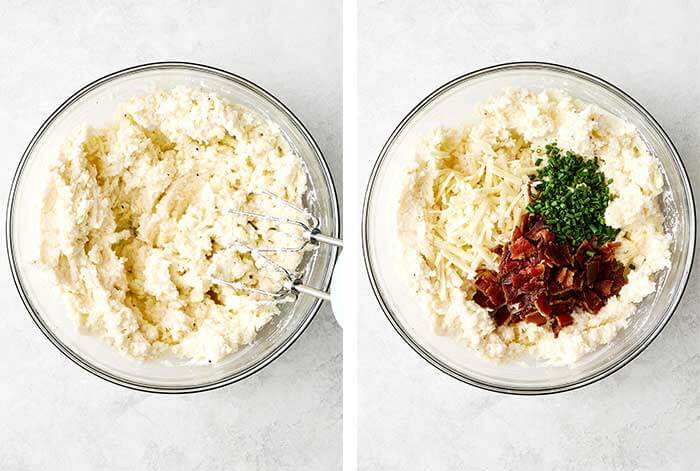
482,300
547,236
608,251
521,248
501,315
604,288
565,277
592,270
536,318
555,254
582,252
490,293
486,278
561,321
542,304
541,235
543,282
536,227
592,301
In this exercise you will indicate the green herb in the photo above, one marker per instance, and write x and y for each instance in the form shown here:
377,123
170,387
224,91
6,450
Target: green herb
571,193
590,253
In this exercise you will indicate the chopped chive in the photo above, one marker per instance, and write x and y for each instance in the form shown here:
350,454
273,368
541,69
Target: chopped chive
572,195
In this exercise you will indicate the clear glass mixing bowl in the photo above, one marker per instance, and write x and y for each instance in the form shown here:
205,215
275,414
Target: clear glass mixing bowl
96,105
454,105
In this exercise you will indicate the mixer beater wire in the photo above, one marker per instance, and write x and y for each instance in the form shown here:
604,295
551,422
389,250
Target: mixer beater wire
311,235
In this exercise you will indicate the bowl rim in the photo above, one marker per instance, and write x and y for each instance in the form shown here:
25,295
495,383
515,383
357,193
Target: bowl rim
76,357
419,349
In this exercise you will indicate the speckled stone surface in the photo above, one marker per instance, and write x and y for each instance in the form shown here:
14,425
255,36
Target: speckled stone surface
55,416
644,417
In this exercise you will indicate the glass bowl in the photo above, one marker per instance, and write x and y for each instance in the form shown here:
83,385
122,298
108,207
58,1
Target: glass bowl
95,105
453,105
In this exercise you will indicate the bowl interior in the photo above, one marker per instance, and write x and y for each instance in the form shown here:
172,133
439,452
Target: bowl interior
454,105
96,106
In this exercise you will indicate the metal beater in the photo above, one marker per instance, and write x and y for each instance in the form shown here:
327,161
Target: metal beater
310,235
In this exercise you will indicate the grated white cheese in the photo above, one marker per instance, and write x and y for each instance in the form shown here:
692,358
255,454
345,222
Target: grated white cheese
477,197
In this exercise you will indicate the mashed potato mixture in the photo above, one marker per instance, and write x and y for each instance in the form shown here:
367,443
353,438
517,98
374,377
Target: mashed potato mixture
465,194
135,221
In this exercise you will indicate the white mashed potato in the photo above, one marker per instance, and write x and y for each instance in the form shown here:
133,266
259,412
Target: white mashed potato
467,189
135,219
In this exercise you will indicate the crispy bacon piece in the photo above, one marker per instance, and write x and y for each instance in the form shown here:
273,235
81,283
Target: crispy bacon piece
565,277
521,248
604,288
592,267
543,282
501,315
536,318
561,321
491,293
555,254
535,228
592,301
542,304
608,251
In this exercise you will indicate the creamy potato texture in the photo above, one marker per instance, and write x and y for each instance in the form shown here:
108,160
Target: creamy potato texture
466,191
135,219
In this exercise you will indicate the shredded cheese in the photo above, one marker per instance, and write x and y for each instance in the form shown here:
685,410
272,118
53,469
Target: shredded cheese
478,195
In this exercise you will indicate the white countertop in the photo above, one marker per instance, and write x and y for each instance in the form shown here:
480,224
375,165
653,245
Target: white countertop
56,416
644,417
